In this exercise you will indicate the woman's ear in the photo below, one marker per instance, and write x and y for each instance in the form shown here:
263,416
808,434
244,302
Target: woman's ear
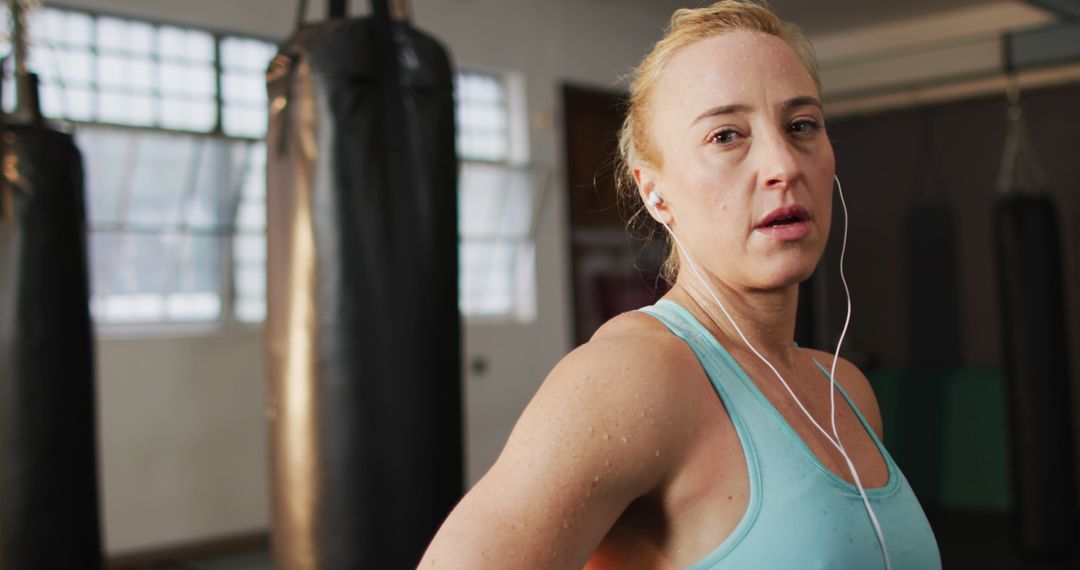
650,194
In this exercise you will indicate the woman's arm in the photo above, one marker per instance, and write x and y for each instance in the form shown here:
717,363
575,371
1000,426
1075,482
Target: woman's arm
595,437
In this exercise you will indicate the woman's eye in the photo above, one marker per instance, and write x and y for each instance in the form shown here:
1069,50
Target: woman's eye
725,136
804,126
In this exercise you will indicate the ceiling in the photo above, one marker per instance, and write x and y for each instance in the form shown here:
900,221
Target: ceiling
821,16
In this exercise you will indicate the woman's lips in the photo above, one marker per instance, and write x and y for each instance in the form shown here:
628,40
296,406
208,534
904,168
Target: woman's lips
785,223
786,232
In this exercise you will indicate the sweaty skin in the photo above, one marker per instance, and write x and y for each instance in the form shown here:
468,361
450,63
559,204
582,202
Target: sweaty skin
626,457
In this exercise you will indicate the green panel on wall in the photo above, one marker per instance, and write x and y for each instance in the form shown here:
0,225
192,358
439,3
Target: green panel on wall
947,432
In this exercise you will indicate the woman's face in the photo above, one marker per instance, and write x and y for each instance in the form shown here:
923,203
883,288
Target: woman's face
746,167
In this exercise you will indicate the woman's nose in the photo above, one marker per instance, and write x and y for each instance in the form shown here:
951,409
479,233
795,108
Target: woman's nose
778,166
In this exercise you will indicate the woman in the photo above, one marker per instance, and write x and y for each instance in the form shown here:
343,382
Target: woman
665,441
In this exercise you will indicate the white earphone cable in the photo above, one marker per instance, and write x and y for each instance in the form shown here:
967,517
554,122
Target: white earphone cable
832,389
653,202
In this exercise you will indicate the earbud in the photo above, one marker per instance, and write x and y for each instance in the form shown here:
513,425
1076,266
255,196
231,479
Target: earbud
655,198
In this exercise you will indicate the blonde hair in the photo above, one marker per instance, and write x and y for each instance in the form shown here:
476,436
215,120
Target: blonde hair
686,27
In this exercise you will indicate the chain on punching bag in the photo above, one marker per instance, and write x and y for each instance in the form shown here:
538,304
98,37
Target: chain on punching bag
1036,355
362,327
48,465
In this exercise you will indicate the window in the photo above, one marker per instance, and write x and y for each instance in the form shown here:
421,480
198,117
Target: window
123,72
171,120
162,208
496,199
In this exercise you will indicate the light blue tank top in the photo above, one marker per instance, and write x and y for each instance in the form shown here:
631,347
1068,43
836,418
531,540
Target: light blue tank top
800,514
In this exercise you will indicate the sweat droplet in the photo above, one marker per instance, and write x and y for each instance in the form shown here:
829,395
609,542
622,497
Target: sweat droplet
606,437
625,439
658,453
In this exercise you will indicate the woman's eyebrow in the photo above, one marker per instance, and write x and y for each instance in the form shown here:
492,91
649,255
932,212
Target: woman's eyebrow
801,101
722,110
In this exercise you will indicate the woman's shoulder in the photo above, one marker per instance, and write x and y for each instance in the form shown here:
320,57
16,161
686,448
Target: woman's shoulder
639,346
636,328
624,382
604,429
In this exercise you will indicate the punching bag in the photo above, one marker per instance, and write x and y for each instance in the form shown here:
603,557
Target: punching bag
48,470
363,328
1037,374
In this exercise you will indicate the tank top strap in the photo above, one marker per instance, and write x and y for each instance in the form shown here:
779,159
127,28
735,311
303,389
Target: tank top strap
742,408
858,413
722,370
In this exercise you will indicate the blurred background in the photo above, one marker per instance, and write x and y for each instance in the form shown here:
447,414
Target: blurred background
167,102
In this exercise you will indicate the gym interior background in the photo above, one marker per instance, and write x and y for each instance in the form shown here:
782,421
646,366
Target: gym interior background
915,93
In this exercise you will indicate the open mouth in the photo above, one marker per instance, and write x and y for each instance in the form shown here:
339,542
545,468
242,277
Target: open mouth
784,216
783,221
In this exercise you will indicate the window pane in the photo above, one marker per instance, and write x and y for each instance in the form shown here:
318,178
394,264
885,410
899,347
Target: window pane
52,100
247,88
495,202
246,54
215,190
162,170
196,80
249,245
78,104
185,114
126,109
49,26
72,67
185,44
244,121
154,277
482,117
487,284
249,276
108,157
196,259
125,73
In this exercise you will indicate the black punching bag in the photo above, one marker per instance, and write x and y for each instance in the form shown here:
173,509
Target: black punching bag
363,328
1037,374
48,469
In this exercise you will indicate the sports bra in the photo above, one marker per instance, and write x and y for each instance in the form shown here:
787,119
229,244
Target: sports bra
800,514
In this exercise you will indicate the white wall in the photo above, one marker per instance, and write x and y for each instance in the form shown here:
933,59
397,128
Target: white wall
183,441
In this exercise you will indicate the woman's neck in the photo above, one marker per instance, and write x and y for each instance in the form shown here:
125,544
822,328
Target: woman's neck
766,318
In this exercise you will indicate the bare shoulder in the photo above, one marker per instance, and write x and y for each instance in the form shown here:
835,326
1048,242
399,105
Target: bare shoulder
855,384
619,383
603,429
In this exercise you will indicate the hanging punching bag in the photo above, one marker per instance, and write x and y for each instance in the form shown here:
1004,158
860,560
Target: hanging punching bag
363,328
48,469
1037,374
